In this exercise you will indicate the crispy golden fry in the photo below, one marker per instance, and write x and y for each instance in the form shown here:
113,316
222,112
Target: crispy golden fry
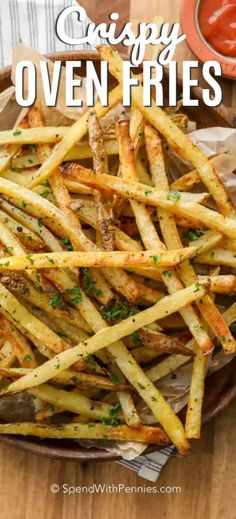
118,279
31,324
131,370
73,135
172,239
8,152
144,355
186,182
194,410
189,180
21,345
7,355
71,378
73,402
143,434
222,284
207,241
163,343
229,244
149,234
87,213
104,204
218,257
180,204
178,140
169,365
33,135
27,237
97,259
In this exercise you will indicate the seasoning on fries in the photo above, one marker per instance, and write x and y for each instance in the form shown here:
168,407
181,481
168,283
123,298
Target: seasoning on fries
113,275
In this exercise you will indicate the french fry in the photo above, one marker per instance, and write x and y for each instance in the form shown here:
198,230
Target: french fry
172,239
207,241
125,361
186,182
169,365
130,413
73,402
27,237
118,279
143,434
8,152
104,204
21,345
35,327
87,214
194,409
149,234
163,343
178,140
97,259
144,355
7,355
189,180
222,284
176,203
229,244
73,135
71,378
218,257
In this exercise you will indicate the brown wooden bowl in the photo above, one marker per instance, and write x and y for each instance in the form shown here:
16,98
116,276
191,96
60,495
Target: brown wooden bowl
221,386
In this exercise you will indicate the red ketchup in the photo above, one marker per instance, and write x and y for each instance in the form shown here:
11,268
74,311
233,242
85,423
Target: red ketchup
217,20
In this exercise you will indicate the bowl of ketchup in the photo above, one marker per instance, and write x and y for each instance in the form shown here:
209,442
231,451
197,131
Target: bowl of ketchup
210,27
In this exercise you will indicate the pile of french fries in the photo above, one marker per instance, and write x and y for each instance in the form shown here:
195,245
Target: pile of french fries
111,275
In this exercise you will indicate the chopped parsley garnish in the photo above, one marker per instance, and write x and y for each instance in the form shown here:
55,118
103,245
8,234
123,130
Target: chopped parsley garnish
141,386
115,410
148,192
46,183
45,193
16,133
135,339
174,196
121,310
30,258
37,282
67,244
89,282
110,421
74,379
57,365
98,293
198,286
77,295
56,300
40,222
192,234
27,358
91,362
156,260
114,379
167,274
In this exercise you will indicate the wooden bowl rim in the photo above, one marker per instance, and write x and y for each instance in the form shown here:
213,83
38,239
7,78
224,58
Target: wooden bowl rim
80,454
